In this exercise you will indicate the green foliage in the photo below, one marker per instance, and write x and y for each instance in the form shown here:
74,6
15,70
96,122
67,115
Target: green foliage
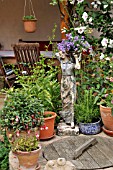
21,111
86,109
25,143
29,17
43,85
4,154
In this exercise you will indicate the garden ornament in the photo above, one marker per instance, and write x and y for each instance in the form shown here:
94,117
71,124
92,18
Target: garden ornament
68,85
59,164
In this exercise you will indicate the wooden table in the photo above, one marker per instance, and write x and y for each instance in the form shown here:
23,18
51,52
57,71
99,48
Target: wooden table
9,57
97,156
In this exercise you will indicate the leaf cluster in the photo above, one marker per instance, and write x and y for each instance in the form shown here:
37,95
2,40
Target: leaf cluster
25,143
86,109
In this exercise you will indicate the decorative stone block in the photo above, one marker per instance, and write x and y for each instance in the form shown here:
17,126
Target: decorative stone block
59,164
63,129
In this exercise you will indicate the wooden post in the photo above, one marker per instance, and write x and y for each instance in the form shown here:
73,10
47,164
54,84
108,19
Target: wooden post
64,18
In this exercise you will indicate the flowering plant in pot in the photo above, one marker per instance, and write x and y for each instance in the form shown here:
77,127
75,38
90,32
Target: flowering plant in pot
21,111
43,86
27,149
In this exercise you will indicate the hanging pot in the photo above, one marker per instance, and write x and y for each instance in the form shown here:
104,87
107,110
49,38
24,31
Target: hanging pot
30,25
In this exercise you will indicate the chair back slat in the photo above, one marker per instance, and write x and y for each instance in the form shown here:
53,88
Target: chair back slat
27,55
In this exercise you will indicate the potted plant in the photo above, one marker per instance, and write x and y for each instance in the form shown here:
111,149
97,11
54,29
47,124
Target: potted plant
106,111
29,23
27,150
21,112
43,85
87,113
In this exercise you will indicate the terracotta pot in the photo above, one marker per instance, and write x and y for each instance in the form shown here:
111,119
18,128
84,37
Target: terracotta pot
47,131
30,25
107,118
28,159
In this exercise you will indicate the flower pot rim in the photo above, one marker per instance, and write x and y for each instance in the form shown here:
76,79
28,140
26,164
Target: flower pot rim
50,112
105,107
19,152
24,20
91,122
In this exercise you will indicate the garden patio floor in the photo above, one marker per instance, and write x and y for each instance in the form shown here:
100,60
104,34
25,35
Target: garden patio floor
42,160
46,143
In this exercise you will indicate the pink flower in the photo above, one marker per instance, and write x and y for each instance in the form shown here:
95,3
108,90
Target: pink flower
111,79
17,119
105,95
28,131
18,133
112,101
37,135
46,128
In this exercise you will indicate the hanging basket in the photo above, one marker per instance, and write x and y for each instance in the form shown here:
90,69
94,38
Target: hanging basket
30,25
29,20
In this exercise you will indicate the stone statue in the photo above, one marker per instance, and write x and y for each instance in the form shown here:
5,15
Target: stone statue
68,85
59,164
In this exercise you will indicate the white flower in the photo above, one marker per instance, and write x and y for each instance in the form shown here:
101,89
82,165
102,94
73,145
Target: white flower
107,58
85,16
92,3
112,23
104,42
101,56
111,2
90,19
110,43
95,6
63,30
105,6
72,2
98,2
80,1
80,29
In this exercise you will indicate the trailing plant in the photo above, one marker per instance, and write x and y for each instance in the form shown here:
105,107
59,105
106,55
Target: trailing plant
86,109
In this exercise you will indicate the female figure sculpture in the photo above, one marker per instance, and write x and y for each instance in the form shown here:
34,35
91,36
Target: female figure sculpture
68,85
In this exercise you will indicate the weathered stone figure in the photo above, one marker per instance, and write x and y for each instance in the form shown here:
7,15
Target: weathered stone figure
68,86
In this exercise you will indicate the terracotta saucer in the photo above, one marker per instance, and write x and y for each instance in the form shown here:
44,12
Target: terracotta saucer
108,132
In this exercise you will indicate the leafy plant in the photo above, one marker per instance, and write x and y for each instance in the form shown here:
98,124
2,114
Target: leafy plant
4,154
25,143
86,109
21,111
29,17
43,85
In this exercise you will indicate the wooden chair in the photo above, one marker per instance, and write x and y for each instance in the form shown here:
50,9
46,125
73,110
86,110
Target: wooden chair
27,55
7,73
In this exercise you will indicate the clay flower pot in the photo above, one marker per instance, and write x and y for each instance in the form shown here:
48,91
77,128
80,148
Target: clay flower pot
28,159
107,118
47,131
30,25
